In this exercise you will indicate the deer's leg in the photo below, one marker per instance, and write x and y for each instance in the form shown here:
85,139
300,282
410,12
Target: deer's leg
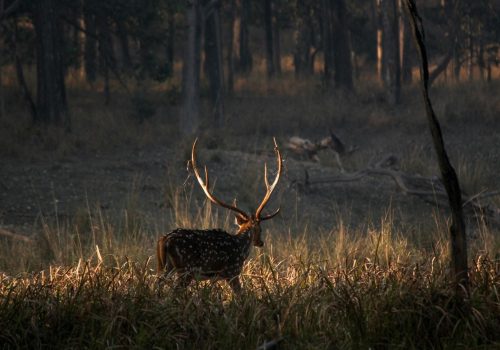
163,275
339,162
235,284
184,280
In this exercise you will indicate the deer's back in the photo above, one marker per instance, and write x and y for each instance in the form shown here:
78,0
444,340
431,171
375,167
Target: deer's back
208,252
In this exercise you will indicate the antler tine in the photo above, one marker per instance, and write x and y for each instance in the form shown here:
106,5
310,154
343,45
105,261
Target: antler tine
265,176
270,188
206,189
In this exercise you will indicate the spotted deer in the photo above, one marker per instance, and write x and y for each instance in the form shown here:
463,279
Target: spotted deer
215,254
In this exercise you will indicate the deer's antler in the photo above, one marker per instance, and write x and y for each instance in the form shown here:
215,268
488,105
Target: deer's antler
270,188
205,186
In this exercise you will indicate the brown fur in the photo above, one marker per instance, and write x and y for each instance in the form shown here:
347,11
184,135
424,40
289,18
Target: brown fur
161,255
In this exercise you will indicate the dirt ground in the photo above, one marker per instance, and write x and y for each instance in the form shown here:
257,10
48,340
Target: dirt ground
32,191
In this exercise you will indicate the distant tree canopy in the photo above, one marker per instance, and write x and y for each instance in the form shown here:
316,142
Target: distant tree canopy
135,41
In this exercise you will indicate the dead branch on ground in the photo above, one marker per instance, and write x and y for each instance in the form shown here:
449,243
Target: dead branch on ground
15,236
429,189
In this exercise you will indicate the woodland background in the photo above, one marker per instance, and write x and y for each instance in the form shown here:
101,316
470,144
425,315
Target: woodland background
100,102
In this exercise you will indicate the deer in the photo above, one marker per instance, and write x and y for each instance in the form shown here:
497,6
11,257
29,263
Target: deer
215,254
310,149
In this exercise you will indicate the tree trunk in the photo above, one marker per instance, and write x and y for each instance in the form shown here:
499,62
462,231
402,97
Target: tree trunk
2,98
230,47
52,106
268,24
245,61
213,64
458,236
126,60
450,13
302,37
378,30
341,47
405,47
276,41
480,58
78,38
21,79
470,49
190,113
326,24
390,51
106,54
170,42
90,54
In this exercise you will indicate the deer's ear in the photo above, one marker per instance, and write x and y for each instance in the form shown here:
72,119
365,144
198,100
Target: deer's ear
238,220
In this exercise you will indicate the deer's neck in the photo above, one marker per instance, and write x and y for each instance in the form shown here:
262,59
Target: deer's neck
245,238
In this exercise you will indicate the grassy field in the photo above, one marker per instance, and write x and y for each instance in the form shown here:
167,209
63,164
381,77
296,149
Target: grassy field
343,267
336,289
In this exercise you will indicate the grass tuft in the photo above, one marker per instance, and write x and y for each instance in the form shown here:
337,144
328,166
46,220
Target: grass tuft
94,285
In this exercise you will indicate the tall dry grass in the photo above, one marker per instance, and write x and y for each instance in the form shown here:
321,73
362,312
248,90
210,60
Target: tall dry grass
90,283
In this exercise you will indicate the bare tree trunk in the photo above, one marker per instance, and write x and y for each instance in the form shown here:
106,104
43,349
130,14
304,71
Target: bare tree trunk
170,42
245,61
126,60
90,54
190,113
458,236
378,26
78,38
341,47
326,21
21,79
106,54
2,97
302,37
213,64
52,106
405,48
480,58
488,66
449,10
390,53
268,24
276,41
470,47
230,47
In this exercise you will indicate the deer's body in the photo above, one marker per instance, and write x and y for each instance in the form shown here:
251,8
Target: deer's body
214,254
204,254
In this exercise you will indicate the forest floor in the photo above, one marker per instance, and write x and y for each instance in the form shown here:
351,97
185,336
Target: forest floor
144,179
346,264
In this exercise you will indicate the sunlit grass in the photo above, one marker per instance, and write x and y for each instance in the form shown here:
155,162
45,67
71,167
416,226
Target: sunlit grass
91,283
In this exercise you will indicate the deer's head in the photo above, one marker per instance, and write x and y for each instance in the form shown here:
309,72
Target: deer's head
246,222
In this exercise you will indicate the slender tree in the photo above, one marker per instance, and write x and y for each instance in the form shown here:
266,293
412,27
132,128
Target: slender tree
302,40
276,37
243,60
268,25
170,42
213,60
106,53
90,47
190,113
341,47
458,238
406,52
327,38
51,103
230,46
124,45
391,67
